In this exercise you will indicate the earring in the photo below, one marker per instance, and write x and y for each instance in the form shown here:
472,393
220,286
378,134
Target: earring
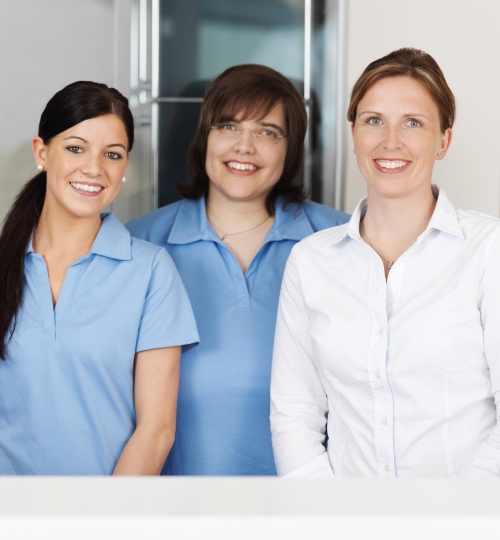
124,179
440,154
40,167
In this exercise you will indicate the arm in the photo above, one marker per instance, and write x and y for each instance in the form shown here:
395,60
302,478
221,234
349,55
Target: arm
299,404
155,395
487,460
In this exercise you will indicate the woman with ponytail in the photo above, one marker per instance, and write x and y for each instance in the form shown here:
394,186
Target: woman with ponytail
91,320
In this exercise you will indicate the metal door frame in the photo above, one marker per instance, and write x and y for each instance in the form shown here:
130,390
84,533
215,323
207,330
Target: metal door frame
145,77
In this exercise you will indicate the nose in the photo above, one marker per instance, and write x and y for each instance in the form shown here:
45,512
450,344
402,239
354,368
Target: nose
244,143
393,138
92,166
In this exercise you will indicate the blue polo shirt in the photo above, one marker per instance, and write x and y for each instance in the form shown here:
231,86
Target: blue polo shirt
66,387
223,408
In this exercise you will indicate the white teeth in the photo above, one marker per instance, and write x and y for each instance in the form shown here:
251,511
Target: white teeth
391,164
241,166
86,187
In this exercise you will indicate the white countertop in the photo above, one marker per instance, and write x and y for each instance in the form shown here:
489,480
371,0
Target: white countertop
194,496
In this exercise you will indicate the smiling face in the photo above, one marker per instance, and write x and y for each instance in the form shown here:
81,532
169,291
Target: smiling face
397,137
242,167
85,166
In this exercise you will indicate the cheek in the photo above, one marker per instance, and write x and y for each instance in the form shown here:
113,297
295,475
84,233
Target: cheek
276,157
365,142
214,153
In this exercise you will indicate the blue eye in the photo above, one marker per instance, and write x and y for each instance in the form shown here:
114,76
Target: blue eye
414,123
227,127
374,121
267,133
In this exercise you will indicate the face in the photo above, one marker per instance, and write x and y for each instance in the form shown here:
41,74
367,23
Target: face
85,165
245,168
397,137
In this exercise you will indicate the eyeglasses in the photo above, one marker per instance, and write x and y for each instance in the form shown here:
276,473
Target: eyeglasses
264,134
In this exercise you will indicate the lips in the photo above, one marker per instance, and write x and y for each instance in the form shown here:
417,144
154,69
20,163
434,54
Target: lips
391,166
388,164
86,189
238,166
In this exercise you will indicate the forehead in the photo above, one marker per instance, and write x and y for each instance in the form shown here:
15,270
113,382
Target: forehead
109,126
404,94
275,116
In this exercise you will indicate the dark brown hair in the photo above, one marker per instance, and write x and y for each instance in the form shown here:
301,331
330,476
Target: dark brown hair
73,104
252,90
407,63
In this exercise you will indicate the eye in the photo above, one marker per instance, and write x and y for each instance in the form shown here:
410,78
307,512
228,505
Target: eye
374,121
113,155
227,127
413,123
74,149
267,133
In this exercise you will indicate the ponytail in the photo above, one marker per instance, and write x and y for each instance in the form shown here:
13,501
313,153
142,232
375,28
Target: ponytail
75,103
18,227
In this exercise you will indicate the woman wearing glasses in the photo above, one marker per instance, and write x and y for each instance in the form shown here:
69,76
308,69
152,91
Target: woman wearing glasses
230,238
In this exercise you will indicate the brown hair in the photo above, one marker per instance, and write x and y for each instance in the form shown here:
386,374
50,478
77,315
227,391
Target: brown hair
412,63
252,90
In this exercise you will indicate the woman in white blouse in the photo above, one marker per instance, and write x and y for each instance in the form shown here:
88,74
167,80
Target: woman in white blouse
387,348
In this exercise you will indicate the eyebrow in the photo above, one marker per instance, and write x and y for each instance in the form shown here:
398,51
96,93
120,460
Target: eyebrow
85,141
408,115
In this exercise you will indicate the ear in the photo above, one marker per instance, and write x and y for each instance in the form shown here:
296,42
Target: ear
352,135
39,150
446,138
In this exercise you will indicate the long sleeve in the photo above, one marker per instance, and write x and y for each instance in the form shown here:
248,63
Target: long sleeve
299,405
487,460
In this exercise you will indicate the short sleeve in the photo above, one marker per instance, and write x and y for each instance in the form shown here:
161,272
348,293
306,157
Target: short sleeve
167,318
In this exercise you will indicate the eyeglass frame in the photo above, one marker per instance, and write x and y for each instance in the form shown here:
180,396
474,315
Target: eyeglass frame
238,130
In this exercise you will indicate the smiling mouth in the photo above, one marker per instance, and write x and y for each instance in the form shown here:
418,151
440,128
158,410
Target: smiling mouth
86,187
385,164
241,166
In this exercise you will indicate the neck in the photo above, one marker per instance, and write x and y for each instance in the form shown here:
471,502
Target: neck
63,235
231,215
394,218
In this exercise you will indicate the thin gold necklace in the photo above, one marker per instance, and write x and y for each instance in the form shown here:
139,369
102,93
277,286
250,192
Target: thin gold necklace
225,235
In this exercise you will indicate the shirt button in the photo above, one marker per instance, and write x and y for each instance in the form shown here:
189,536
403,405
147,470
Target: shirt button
384,421
377,375
387,468
381,331
393,294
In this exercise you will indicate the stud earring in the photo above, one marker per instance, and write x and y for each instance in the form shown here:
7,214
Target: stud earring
124,179
440,154
40,167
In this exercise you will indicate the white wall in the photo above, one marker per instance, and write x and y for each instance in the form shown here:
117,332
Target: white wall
464,37
44,46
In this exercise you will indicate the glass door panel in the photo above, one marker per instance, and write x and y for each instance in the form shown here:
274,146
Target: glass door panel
177,125
201,38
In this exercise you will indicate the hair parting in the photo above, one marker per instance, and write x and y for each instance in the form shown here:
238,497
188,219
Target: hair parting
407,62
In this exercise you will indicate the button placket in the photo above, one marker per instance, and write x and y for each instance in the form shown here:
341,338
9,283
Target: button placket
382,395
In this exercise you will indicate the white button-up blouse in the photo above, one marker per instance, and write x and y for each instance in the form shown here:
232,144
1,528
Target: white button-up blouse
396,378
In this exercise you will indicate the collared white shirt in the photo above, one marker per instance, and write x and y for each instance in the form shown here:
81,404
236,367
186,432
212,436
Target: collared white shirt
401,375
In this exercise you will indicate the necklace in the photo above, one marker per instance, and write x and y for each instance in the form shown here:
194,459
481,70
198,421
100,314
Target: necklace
390,264
225,235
